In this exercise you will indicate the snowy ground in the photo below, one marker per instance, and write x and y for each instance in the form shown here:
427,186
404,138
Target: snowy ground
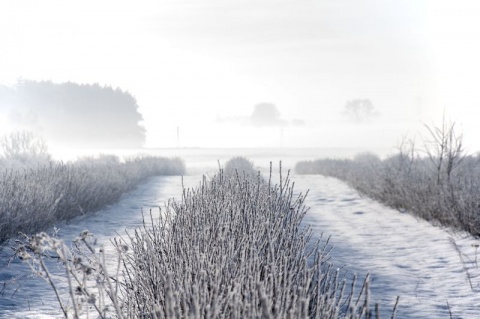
404,256
31,297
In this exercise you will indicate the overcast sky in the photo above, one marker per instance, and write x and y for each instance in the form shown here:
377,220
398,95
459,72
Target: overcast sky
203,64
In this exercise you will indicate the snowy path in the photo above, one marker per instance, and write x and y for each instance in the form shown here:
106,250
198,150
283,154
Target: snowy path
406,257
32,297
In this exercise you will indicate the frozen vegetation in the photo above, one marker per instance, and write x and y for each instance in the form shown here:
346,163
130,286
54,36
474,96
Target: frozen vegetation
434,270
232,247
438,183
236,245
36,192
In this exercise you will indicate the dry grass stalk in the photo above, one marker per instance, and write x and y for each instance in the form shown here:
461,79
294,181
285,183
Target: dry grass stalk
233,247
442,187
32,200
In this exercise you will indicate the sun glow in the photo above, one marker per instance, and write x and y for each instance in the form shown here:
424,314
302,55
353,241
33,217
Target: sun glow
189,63
454,40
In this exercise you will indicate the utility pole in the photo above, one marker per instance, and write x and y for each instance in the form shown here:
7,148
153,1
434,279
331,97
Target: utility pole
178,136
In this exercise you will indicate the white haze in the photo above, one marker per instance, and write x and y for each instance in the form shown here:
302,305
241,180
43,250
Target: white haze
201,65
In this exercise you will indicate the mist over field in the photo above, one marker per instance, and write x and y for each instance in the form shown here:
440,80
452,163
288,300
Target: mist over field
238,73
239,159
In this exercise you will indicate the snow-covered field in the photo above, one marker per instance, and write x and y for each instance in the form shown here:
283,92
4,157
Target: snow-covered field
405,257
32,297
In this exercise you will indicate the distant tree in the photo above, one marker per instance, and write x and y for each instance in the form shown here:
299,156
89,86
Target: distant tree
80,115
360,110
266,114
298,122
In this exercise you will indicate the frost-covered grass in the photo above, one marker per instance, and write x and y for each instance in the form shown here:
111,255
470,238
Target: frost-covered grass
412,183
239,165
34,198
434,270
233,247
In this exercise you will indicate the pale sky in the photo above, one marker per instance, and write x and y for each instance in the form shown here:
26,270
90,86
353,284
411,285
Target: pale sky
190,63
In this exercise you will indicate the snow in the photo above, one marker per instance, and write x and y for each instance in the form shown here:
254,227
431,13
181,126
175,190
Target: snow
405,256
32,297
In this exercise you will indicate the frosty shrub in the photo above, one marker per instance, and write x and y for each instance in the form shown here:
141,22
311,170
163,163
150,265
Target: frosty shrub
34,199
233,247
239,165
23,150
439,182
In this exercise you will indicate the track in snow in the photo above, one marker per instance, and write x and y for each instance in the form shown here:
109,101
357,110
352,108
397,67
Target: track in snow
405,256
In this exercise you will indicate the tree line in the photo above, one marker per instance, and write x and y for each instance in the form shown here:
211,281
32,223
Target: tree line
78,115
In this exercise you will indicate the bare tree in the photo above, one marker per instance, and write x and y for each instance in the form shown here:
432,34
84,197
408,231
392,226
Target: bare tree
360,110
445,150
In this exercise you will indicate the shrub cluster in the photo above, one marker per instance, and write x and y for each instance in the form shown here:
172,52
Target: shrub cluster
239,165
233,247
442,186
32,199
20,150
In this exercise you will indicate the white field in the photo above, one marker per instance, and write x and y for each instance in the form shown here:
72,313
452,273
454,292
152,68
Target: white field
405,256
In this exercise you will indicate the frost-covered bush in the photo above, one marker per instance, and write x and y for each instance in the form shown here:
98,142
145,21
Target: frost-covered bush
20,150
233,247
240,165
440,184
34,199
